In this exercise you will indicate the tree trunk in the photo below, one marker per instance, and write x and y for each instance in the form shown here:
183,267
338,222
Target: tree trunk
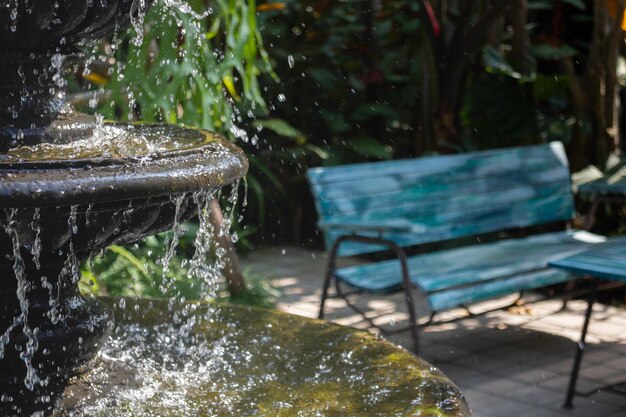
601,81
579,148
454,64
518,15
232,269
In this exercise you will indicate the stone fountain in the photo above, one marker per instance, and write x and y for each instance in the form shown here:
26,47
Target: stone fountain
71,185
51,180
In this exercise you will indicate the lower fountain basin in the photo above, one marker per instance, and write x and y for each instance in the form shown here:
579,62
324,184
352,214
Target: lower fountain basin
238,361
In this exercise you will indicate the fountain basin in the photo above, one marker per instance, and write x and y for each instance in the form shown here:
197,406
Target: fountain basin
245,361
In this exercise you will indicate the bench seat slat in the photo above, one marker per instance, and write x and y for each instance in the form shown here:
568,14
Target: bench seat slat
461,297
460,268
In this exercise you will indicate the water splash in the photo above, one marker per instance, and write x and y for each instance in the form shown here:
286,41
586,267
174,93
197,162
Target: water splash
111,140
184,7
87,214
173,243
23,287
35,249
71,268
198,267
137,15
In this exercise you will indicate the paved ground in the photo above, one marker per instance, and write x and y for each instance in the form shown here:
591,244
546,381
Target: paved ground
511,363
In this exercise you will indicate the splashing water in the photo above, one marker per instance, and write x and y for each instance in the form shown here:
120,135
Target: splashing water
186,8
177,231
22,289
72,264
36,246
200,269
137,15
111,140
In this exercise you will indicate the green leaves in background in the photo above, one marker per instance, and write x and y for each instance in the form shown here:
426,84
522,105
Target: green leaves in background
198,72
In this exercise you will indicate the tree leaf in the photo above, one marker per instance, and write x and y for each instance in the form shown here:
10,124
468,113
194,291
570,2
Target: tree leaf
370,148
551,52
495,63
579,4
279,126
540,5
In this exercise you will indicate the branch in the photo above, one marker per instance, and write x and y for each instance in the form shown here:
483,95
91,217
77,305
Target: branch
429,20
478,32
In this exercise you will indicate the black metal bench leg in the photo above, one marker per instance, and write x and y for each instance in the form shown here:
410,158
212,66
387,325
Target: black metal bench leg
413,318
580,348
409,298
330,273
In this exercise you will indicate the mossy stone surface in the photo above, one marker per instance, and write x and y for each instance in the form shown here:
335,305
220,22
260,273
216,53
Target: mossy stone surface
238,361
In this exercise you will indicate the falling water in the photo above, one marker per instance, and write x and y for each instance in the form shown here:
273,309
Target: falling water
35,225
22,289
172,244
198,267
87,214
137,16
71,268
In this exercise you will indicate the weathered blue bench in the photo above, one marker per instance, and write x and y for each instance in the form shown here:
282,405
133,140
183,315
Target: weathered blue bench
394,205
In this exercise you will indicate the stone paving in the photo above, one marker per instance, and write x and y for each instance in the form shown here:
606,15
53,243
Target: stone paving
509,363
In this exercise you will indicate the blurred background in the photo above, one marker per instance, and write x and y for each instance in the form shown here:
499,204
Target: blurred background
325,82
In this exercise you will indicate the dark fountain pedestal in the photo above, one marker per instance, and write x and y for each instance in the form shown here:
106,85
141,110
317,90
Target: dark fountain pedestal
60,333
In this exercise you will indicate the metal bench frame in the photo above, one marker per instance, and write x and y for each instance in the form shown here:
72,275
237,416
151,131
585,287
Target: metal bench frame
407,287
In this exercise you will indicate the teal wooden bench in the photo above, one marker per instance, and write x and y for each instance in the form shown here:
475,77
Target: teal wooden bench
394,205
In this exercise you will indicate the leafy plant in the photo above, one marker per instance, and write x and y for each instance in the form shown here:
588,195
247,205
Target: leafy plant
192,62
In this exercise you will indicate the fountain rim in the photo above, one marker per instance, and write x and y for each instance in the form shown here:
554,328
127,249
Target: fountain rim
55,183
82,162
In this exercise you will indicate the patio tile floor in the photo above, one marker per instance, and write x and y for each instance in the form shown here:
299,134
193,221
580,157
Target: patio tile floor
509,363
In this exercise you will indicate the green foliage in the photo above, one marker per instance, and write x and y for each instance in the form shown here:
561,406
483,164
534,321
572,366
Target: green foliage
501,112
192,67
200,72
348,93
136,270
350,81
259,293
503,107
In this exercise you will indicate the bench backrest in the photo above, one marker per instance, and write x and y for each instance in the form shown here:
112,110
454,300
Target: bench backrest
449,196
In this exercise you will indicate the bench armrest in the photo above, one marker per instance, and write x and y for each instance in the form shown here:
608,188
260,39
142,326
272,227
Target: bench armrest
370,227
